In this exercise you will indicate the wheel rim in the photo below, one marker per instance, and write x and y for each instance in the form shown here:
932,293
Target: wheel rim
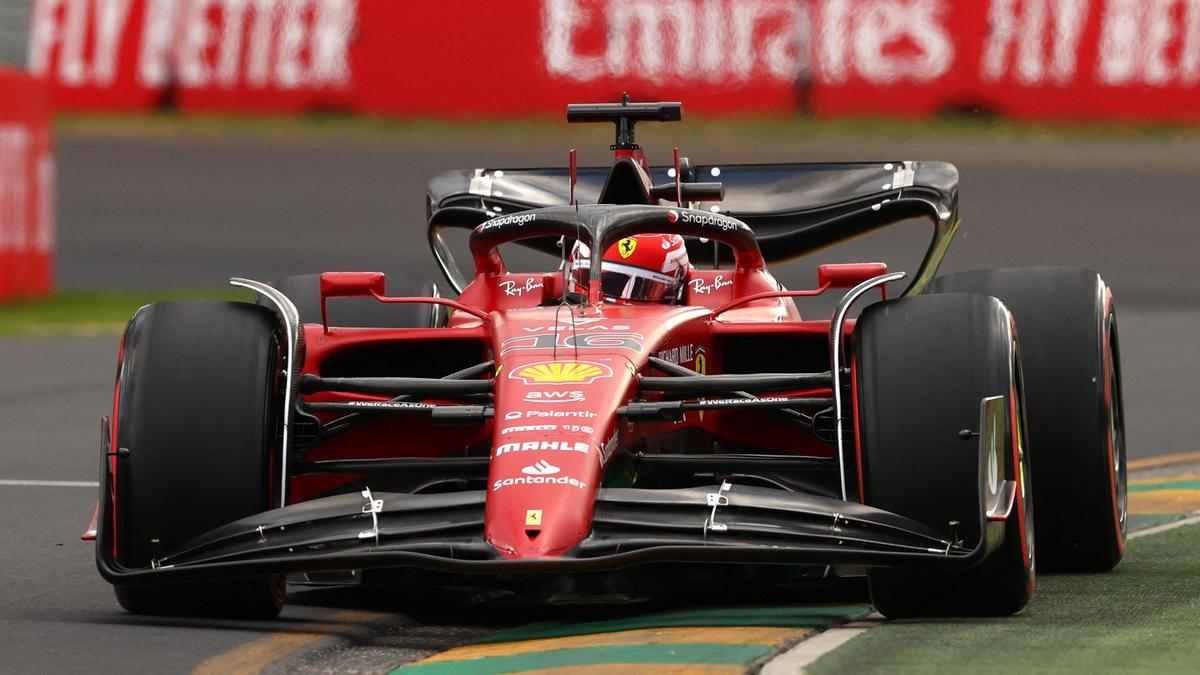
1116,427
1023,481
1027,501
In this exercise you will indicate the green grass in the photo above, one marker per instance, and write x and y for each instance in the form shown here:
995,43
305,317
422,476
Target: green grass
90,313
1144,617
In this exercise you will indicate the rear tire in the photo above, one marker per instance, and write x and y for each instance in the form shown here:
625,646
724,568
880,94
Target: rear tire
922,365
1068,328
199,411
304,290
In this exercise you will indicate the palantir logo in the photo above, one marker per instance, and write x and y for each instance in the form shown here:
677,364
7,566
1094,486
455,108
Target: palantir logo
542,468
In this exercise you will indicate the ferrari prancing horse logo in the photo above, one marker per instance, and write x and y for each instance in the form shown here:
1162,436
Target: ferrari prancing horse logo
533,517
627,246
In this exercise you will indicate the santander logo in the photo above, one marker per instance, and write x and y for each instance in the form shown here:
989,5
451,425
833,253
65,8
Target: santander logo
542,468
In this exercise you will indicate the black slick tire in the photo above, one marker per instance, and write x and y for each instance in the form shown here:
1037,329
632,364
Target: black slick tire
1067,324
921,368
198,409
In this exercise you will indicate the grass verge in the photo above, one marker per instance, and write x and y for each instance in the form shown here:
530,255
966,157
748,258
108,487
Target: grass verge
1142,617
89,312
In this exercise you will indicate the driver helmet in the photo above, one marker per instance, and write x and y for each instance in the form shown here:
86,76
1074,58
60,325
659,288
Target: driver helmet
644,268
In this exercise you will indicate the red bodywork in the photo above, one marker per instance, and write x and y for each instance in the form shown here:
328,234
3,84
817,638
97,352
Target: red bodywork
561,373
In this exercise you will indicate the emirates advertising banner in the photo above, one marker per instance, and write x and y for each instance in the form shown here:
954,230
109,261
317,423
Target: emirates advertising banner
26,187
1030,59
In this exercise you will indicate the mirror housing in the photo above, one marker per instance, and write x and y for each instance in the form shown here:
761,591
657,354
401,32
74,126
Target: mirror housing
350,285
848,275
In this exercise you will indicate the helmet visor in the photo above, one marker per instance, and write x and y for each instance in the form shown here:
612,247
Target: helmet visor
626,282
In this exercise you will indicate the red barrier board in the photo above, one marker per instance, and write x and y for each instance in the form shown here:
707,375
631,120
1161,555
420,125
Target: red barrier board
26,179
1030,59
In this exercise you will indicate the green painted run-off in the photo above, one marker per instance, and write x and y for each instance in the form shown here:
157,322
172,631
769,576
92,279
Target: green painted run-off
1167,485
718,654
812,616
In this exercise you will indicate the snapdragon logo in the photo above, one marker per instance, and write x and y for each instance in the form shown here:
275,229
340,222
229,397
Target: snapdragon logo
709,219
517,219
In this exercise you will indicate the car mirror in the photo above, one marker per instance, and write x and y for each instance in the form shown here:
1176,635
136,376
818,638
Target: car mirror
848,275
351,284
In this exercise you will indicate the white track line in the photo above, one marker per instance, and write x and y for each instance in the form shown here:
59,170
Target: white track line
49,483
796,659
1193,518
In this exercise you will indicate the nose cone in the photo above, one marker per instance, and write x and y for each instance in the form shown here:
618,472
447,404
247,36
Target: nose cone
554,422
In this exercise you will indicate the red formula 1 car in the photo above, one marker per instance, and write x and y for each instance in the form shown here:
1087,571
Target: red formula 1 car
627,412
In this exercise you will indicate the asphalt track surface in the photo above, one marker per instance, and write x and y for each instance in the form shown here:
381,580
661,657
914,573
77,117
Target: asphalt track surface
168,214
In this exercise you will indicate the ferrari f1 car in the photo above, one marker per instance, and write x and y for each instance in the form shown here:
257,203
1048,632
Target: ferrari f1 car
529,429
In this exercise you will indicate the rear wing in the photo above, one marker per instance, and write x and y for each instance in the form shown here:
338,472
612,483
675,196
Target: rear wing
793,209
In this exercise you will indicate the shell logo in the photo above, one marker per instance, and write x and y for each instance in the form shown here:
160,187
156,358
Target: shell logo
561,372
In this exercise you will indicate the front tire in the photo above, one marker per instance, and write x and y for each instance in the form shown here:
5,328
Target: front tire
198,409
921,368
1068,327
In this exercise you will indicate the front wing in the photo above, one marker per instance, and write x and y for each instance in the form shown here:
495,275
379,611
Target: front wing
444,532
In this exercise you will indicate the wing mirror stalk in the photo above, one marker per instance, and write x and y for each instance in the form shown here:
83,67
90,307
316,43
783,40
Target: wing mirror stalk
374,285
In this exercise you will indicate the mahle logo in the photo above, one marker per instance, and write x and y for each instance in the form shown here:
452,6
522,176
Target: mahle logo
542,446
561,372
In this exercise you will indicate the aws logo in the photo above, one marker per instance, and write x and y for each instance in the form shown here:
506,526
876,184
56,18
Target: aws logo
561,372
573,396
